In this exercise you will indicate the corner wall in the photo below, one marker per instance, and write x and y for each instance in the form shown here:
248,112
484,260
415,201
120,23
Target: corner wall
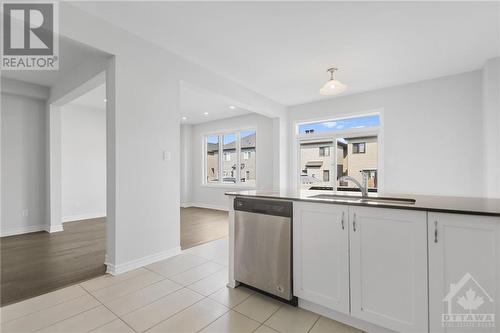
186,164
143,122
23,162
83,157
491,123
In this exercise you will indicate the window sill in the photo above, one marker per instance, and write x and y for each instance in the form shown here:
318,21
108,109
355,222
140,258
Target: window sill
230,186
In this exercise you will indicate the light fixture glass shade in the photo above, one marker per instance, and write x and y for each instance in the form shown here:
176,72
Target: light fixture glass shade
332,87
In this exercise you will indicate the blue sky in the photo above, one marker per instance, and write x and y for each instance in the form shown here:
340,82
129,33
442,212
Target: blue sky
213,139
341,124
228,138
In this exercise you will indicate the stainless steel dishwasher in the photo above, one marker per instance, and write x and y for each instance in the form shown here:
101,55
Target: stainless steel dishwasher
263,246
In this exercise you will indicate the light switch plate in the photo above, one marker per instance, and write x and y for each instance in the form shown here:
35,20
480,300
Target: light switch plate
167,156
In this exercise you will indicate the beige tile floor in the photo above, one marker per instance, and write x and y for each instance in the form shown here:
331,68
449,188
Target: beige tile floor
186,293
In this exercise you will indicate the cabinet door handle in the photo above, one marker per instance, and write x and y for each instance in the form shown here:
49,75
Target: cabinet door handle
435,231
342,222
354,223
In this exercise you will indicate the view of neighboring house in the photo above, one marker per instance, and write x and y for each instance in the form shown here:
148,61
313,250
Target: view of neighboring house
362,158
229,160
354,157
212,162
316,163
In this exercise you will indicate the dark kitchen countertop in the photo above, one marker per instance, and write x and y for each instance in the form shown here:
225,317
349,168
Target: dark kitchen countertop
443,204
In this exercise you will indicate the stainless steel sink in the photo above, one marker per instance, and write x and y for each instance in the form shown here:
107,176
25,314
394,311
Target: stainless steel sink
336,197
351,198
400,201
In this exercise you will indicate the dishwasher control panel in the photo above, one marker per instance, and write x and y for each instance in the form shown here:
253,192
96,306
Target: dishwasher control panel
261,206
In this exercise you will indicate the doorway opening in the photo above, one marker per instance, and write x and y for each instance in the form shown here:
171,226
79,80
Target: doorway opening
224,147
54,153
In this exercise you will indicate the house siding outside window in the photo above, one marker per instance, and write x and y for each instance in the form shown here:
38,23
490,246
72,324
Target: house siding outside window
229,167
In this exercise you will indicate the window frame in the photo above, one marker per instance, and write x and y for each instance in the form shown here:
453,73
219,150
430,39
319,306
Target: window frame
220,182
323,150
358,144
327,172
334,135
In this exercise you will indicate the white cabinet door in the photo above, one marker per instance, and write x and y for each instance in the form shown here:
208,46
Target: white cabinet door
320,254
389,268
463,251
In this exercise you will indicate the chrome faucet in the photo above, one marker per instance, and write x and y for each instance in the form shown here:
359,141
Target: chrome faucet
363,187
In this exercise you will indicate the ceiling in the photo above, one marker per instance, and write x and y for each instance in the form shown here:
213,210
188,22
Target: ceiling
282,49
71,55
195,101
95,98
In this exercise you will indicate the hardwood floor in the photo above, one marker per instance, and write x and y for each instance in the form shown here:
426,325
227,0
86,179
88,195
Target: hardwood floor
36,263
201,225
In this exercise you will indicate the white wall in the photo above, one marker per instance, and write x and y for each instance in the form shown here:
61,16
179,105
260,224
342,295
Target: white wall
23,162
432,132
212,196
186,163
83,147
143,122
491,122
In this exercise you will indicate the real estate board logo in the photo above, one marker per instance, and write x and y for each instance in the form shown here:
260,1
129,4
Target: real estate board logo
30,36
468,304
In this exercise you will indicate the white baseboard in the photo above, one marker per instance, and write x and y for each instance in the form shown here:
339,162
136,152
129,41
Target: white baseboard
137,263
203,205
22,230
342,317
78,217
54,228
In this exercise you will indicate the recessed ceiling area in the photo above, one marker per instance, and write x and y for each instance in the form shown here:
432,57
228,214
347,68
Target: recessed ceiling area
198,105
283,49
72,54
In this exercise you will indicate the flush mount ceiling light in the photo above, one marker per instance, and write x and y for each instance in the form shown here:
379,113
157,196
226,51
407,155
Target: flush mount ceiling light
232,107
205,113
184,118
332,87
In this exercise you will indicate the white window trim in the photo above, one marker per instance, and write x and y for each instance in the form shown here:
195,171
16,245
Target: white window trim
334,135
220,183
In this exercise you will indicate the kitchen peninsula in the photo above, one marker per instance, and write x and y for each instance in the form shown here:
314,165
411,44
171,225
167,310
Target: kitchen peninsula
388,263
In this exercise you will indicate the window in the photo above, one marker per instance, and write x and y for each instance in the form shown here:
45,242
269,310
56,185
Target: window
324,151
237,162
334,148
315,159
247,159
357,159
358,147
336,125
212,159
228,166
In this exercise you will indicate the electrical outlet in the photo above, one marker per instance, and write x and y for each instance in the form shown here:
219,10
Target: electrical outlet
25,212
